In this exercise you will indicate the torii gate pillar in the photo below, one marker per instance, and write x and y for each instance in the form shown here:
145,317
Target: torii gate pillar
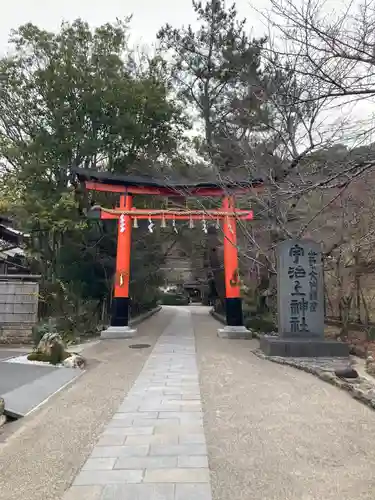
119,328
234,328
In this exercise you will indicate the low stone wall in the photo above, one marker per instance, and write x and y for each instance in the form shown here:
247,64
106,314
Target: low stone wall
18,302
16,334
18,310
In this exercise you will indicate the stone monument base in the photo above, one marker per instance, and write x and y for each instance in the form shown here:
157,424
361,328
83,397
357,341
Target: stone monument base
234,332
297,347
118,332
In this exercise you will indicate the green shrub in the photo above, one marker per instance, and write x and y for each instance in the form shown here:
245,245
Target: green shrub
259,324
39,356
41,329
174,299
142,303
371,334
57,354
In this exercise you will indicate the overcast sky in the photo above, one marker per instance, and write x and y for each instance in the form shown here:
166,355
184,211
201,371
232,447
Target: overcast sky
148,15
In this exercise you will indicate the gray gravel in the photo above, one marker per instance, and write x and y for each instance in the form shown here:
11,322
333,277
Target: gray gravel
277,433
45,451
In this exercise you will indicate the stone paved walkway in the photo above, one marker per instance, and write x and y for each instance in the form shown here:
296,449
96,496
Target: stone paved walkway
154,447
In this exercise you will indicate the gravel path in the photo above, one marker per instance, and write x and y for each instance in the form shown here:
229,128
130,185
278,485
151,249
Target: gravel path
276,433
42,456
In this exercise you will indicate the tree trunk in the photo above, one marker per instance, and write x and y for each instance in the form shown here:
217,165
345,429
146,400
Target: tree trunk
357,284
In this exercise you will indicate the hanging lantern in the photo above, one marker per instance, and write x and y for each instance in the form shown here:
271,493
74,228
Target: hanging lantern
217,225
135,223
204,226
191,223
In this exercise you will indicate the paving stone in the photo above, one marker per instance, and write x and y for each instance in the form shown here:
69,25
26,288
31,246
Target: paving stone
182,403
184,385
193,461
111,440
182,415
180,430
192,408
151,407
140,492
177,450
182,378
123,422
99,464
128,431
128,408
175,390
193,491
146,463
145,414
182,381
120,451
186,368
140,422
186,402
103,477
191,396
152,389
177,475
192,438
176,398
83,493
152,381
193,378
149,440
146,377
145,399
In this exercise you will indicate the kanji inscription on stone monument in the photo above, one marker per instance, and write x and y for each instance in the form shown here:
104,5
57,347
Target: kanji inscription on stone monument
300,294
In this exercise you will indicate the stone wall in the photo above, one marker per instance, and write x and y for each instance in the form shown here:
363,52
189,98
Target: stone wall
18,311
14,334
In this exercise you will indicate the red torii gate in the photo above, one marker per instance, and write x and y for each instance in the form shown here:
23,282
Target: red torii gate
126,213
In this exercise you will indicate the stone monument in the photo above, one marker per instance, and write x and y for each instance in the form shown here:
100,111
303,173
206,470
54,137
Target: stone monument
300,304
